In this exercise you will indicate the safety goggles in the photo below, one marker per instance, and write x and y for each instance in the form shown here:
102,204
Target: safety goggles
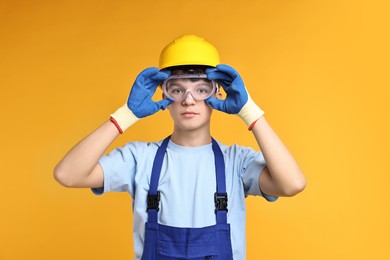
198,86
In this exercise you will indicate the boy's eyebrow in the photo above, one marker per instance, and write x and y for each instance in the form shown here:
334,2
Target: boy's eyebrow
173,82
177,82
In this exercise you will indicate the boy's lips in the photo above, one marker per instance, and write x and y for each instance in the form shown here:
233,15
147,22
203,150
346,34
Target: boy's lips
189,114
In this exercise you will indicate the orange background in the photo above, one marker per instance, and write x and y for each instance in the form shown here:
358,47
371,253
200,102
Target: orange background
319,69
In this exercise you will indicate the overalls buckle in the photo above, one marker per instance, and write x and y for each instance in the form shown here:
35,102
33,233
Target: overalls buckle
221,201
153,201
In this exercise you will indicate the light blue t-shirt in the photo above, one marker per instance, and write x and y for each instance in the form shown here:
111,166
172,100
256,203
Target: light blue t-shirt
187,186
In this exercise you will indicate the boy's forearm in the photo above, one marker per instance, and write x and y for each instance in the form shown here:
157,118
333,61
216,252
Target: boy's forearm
284,170
78,163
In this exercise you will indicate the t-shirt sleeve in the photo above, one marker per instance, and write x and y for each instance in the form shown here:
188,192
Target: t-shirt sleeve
119,169
253,164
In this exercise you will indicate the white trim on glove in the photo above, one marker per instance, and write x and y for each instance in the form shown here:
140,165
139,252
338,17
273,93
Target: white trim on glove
250,112
124,118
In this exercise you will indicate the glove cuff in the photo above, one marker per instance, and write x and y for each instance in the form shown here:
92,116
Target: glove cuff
250,113
123,118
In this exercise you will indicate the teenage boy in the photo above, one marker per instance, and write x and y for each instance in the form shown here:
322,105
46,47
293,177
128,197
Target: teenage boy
188,190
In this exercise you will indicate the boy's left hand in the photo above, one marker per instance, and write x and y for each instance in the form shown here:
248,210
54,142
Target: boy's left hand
237,100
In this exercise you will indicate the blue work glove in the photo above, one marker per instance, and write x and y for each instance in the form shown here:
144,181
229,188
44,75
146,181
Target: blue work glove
237,100
140,103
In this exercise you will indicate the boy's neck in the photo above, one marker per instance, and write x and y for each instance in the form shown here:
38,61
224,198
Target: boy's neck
191,138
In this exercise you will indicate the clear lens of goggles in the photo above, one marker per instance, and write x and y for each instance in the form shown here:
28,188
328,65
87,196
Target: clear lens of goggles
199,87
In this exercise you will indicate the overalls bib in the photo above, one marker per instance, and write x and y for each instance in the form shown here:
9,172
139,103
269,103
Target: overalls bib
165,242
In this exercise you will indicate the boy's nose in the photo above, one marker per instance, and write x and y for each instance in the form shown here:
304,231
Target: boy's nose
188,99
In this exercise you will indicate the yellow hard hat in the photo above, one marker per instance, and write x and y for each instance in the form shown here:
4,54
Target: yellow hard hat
189,50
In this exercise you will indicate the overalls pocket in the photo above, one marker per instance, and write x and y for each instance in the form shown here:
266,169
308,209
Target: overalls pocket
187,243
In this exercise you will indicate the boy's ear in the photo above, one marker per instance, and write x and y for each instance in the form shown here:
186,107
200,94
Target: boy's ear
218,95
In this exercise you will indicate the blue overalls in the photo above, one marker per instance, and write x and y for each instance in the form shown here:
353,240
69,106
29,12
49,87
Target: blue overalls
165,242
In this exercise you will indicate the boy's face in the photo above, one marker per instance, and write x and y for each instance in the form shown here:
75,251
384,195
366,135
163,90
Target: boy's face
188,113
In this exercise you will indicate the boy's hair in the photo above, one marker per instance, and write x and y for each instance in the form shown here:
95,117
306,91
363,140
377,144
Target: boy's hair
188,69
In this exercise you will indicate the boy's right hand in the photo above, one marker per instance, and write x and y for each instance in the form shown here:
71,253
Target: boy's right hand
140,100
140,103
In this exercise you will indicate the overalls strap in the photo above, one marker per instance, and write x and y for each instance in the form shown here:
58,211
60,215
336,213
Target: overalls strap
220,197
153,194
